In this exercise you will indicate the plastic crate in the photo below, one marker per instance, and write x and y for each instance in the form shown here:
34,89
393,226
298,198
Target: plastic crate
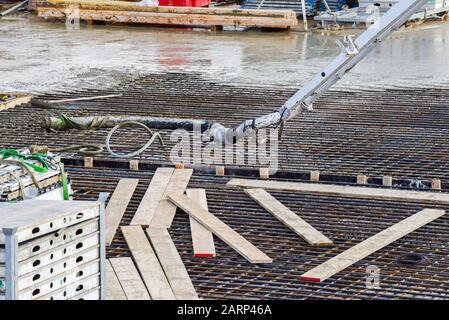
184,3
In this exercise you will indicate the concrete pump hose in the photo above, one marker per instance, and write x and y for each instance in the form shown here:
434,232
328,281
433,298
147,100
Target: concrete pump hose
135,153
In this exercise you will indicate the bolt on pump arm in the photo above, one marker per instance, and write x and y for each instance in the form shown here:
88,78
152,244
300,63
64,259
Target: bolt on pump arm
352,53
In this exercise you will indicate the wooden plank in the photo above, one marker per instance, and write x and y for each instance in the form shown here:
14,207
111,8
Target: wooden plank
130,6
341,190
19,100
219,171
114,290
371,245
436,184
173,18
362,179
129,279
387,181
151,271
152,197
315,176
88,162
134,164
166,211
289,218
264,173
117,206
172,264
220,229
202,238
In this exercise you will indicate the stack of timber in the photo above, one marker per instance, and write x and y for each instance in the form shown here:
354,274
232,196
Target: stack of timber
373,227
156,271
9,101
128,12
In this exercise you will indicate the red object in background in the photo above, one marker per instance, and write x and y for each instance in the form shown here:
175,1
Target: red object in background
184,3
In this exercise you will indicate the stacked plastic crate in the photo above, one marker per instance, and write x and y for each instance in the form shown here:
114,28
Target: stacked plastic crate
52,250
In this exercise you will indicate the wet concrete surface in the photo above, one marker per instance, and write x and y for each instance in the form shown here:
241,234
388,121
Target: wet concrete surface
43,56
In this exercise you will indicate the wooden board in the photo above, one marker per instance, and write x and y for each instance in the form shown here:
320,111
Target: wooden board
160,18
129,279
130,6
147,263
114,290
220,229
371,245
117,206
20,99
172,264
342,190
289,218
166,211
202,238
152,197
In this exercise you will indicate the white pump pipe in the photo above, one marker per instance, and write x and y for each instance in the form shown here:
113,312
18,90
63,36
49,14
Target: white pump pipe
352,53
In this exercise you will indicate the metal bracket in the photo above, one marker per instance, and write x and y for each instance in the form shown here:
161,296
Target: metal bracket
307,104
348,46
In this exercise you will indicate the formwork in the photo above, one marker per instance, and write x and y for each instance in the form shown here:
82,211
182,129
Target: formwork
345,220
128,12
399,132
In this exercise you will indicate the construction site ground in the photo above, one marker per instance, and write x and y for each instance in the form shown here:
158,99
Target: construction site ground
384,119
349,133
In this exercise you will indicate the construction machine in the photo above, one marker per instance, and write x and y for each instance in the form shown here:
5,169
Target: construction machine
353,51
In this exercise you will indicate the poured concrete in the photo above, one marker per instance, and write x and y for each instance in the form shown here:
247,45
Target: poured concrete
38,55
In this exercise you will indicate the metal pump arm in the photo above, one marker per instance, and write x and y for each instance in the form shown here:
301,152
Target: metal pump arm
352,53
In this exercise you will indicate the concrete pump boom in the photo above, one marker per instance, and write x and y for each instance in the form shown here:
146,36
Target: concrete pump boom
352,53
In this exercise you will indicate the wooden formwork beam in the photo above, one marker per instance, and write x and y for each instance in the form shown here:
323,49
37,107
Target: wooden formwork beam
371,245
147,263
130,6
166,210
152,197
220,229
289,218
114,290
129,278
366,192
172,264
174,16
117,206
202,238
